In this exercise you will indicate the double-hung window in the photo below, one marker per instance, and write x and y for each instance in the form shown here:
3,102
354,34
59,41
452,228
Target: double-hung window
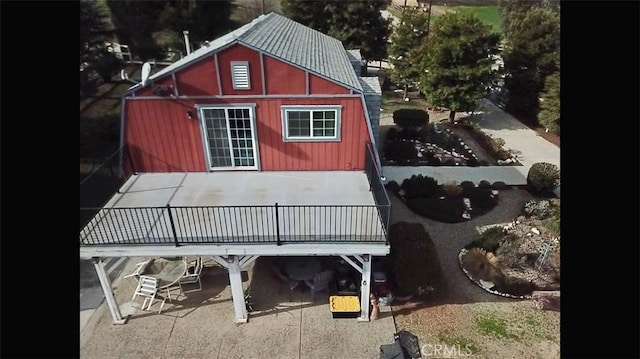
311,123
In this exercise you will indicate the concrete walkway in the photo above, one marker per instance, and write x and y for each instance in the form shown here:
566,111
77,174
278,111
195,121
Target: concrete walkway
521,140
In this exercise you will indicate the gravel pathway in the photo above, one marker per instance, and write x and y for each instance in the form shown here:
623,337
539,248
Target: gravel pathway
450,238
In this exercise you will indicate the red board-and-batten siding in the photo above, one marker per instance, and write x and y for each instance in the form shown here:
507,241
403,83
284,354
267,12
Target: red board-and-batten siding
163,139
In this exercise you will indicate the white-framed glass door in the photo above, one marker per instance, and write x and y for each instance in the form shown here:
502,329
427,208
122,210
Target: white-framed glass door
229,137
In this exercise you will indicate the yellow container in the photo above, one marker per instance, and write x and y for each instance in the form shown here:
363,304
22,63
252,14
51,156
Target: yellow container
344,306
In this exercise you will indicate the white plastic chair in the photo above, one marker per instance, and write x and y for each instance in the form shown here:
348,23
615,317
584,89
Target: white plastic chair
139,270
148,289
320,283
192,276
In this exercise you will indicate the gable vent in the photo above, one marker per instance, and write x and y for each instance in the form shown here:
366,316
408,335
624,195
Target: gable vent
240,75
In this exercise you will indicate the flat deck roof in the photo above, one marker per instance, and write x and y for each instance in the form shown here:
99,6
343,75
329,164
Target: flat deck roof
243,188
239,208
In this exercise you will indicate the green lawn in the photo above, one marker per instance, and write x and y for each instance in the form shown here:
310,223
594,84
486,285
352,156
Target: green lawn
487,14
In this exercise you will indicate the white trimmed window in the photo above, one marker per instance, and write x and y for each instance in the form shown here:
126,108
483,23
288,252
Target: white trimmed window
311,123
240,75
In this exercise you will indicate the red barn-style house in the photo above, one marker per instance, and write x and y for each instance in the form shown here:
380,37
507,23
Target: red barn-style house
260,143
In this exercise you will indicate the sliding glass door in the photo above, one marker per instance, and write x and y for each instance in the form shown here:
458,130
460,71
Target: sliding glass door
230,140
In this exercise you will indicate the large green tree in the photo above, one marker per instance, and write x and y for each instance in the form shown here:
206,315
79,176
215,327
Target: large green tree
135,22
358,24
531,53
94,31
457,62
94,22
149,27
205,20
309,13
406,47
549,115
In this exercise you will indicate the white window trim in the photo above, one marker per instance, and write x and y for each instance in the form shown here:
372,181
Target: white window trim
311,138
203,126
233,78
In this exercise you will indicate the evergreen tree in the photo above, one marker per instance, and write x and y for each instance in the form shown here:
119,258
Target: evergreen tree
457,63
205,20
94,25
549,115
135,22
359,25
531,53
308,13
406,48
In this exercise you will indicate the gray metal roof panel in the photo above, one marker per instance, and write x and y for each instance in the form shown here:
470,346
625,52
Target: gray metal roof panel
354,55
371,85
288,40
293,42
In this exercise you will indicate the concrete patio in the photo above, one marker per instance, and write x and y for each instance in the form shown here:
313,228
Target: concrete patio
284,324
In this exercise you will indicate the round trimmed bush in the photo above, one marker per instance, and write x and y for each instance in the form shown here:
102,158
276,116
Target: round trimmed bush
410,118
485,184
543,178
467,186
448,210
419,186
499,185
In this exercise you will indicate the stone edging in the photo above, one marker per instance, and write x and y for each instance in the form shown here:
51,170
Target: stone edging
463,252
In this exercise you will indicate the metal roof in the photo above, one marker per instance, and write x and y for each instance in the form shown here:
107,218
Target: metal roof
354,55
371,85
285,39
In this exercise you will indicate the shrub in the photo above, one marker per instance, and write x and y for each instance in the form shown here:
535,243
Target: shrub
508,252
552,223
472,162
448,210
393,187
413,256
410,118
483,163
400,151
419,186
499,142
452,190
539,209
543,178
499,185
482,200
485,184
489,240
467,186
481,264
514,286
107,65
431,159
